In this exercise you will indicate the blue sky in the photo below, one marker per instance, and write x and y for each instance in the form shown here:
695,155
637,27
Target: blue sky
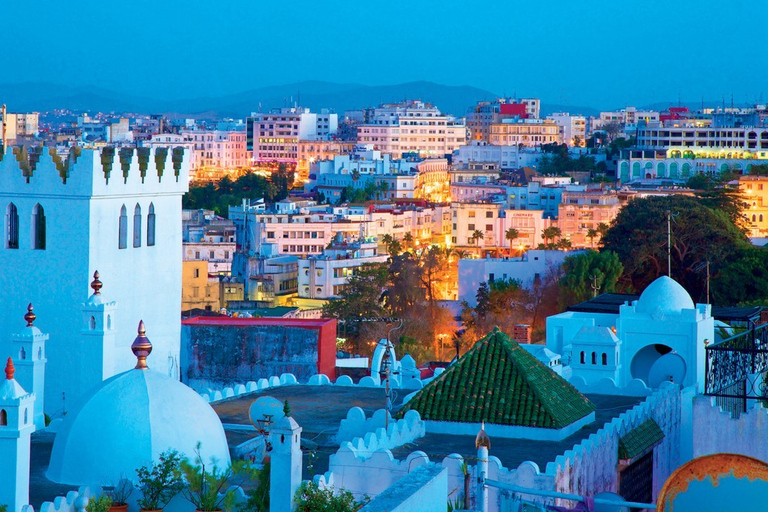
577,52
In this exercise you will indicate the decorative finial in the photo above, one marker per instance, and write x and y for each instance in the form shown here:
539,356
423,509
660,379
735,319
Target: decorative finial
141,348
9,369
482,438
96,284
30,315
287,409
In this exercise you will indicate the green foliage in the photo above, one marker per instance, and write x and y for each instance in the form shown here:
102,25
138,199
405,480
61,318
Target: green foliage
551,233
219,197
758,170
743,280
638,236
206,484
3,508
310,498
258,496
47,420
355,194
100,503
589,274
160,482
560,164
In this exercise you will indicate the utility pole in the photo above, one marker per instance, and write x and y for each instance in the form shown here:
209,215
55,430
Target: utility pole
5,123
594,285
669,243
708,282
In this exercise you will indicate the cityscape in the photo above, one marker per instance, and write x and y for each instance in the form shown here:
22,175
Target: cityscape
440,277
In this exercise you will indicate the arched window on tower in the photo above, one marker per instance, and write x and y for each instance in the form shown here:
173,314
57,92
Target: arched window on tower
12,227
3,418
122,241
137,226
38,227
605,359
594,358
583,359
151,225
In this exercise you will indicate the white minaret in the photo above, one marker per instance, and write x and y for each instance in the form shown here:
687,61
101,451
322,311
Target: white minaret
29,345
16,426
285,470
483,444
98,335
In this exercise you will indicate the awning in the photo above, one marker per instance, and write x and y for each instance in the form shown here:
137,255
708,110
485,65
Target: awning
640,439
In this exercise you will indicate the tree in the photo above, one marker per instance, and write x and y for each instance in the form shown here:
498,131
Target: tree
588,274
360,298
511,235
564,244
758,170
743,280
577,142
551,233
310,498
408,239
591,234
699,234
501,302
476,236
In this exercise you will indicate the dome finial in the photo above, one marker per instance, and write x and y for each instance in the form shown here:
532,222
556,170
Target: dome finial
9,369
141,348
96,284
30,315
482,438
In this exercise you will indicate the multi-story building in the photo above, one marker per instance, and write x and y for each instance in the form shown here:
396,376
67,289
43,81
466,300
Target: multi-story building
216,151
493,221
505,157
268,281
716,139
573,128
486,113
754,190
584,210
275,136
525,132
311,151
325,276
199,290
17,126
411,127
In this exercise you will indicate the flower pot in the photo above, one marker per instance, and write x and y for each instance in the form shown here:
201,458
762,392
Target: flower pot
151,510
119,508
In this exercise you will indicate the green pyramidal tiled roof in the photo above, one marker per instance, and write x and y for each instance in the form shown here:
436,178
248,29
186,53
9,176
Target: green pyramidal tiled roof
639,439
498,381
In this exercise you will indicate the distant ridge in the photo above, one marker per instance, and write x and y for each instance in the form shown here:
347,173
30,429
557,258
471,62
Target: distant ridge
42,97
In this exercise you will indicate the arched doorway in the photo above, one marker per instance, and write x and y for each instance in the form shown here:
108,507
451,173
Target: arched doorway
644,359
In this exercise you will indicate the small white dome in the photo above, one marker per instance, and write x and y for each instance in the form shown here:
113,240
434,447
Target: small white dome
664,296
126,422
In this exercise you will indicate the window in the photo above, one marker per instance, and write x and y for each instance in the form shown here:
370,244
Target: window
605,359
122,242
471,227
38,227
137,226
197,272
3,418
151,225
489,227
488,215
582,358
211,255
594,358
12,227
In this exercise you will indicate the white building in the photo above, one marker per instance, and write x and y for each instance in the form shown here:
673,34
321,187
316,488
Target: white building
493,221
505,156
275,136
658,338
108,210
326,275
533,266
526,132
573,128
412,127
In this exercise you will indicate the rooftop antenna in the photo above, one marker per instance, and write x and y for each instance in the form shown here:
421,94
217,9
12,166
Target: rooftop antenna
669,242
5,117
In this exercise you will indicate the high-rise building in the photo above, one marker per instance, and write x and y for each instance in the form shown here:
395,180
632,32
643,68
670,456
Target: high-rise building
275,136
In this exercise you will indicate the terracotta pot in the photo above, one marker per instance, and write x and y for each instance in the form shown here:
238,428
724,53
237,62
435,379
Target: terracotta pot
118,508
151,510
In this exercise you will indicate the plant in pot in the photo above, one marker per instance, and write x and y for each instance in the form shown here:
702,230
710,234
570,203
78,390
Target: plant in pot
119,495
99,503
207,485
159,482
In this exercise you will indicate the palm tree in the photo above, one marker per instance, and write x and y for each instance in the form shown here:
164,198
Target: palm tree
564,244
591,234
477,235
408,239
602,228
511,235
551,233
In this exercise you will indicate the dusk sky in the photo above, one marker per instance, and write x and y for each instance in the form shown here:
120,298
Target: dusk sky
587,52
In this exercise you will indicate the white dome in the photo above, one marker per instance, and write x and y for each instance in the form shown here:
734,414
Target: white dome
664,296
127,422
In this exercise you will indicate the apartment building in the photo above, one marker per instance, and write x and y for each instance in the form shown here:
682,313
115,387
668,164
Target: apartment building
411,127
754,189
486,113
493,221
275,136
573,128
584,210
525,132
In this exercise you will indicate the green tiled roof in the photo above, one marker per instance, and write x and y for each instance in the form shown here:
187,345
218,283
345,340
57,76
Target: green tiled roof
498,381
639,439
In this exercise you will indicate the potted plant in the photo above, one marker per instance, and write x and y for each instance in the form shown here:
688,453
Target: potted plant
119,495
160,482
99,503
206,484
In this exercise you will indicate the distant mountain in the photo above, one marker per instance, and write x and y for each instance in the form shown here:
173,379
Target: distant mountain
42,97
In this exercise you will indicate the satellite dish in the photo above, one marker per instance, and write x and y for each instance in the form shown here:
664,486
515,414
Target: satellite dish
265,408
670,367
611,496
